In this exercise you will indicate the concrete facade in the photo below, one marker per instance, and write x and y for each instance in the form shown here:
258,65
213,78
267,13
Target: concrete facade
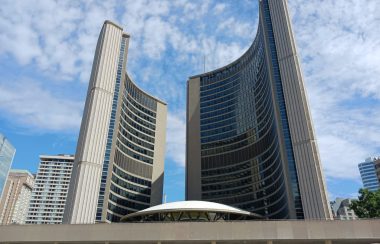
119,160
50,190
312,184
264,232
193,146
15,201
91,146
250,138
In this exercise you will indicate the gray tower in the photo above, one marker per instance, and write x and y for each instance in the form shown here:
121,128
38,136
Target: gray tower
119,161
250,138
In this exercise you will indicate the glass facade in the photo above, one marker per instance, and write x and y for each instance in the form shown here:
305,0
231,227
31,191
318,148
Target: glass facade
7,152
246,153
282,109
130,184
368,174
111,129
240,157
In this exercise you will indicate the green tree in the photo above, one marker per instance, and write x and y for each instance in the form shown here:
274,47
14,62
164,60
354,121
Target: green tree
368,205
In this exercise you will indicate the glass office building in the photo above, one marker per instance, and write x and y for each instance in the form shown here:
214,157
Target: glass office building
250,138
368,174
119,162
7,153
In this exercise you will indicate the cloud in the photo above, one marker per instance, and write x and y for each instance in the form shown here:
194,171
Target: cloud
219,54
156,34
193,10
235,28
27,103
176,137
58,37
219,8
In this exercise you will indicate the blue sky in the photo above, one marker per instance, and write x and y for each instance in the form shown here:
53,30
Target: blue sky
47,47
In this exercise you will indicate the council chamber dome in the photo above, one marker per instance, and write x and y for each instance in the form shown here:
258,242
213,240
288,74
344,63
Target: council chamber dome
190,211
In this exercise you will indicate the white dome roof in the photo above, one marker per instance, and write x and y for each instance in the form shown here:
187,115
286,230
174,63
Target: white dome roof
194,205
190,211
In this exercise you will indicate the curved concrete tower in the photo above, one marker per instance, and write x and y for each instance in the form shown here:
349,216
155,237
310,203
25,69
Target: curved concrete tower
250,138
119,161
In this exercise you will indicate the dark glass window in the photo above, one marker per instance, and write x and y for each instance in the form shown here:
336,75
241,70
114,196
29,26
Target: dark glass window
240,157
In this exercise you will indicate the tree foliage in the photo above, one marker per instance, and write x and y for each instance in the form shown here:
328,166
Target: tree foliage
368,205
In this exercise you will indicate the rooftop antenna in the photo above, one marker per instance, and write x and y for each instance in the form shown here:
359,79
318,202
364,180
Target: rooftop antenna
164,198
204,63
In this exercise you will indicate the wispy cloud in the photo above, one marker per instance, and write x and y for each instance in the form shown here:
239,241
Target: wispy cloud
26,102
176,136
236,28
40,33
219,8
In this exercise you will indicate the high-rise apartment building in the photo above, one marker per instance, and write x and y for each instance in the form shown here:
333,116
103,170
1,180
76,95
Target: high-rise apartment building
341,209
50,190
368,173
250,137
119,162
7,153
15,201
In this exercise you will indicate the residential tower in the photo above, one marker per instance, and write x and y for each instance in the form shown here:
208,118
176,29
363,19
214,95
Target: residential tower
50,190
15,201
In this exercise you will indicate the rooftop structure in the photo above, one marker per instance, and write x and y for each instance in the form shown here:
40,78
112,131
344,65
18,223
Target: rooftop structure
190,211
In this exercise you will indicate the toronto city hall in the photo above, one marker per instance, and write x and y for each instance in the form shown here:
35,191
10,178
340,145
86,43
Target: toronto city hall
250,138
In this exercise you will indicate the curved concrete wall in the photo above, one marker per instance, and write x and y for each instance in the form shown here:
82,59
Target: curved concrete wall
120,153
135,179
